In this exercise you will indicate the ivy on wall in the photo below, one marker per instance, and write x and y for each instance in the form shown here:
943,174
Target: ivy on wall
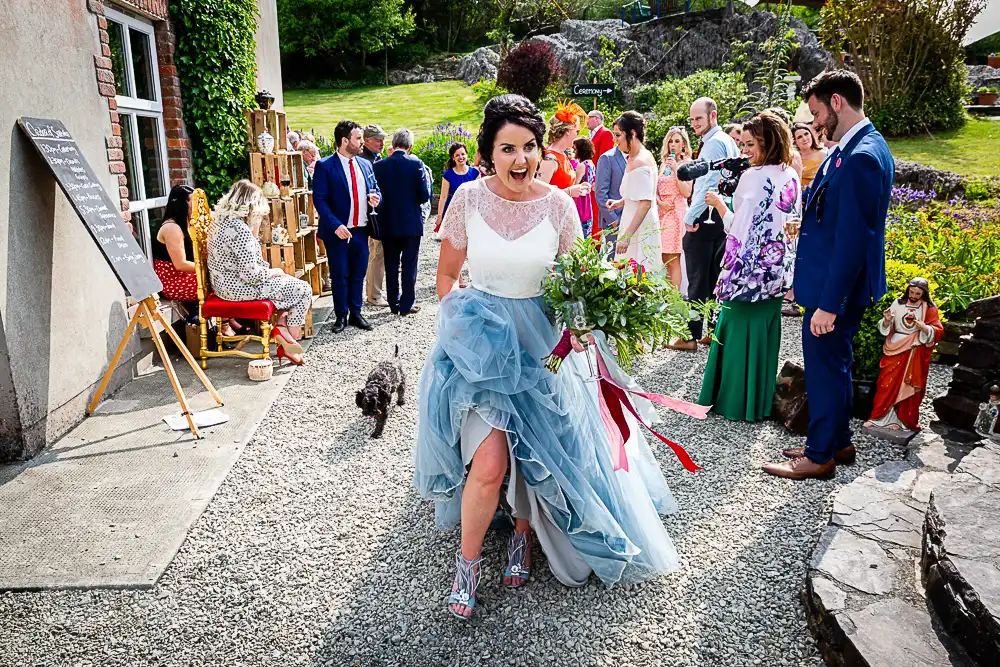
216,65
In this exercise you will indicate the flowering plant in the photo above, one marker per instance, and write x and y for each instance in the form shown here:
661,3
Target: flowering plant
632,306
433,150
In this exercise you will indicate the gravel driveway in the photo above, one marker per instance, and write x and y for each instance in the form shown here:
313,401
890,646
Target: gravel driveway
317,551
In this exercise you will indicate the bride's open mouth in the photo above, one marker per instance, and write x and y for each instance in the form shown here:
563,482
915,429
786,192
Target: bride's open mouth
519,175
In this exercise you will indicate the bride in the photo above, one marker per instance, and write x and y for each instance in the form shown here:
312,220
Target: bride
489,408
639,229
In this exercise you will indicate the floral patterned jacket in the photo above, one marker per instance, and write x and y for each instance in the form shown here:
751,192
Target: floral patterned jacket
757,262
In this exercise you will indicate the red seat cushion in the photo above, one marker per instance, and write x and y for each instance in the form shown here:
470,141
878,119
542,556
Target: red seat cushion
247,310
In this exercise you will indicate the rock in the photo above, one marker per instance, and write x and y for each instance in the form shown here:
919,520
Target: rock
957,410
926,484
976,353
988,307
918,176
954,330
987,328
961,552
441,68
480,64
874,505
791,406
832,598
975,381
854,561
983,75
893,632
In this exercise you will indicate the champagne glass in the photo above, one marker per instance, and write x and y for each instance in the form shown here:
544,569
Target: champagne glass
580,325
792,226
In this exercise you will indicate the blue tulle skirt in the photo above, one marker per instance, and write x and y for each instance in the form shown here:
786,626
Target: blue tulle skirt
486,372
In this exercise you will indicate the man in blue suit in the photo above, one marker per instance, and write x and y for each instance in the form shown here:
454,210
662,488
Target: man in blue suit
346,195
839,267
610,170
401,221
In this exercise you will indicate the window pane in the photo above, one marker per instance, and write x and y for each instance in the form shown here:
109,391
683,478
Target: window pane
142,65
116,40
127,121
154,217
150,156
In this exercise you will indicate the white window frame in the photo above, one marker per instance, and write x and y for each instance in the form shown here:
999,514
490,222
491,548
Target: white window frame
136,107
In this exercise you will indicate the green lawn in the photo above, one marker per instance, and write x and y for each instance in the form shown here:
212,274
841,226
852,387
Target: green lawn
418,106
973,150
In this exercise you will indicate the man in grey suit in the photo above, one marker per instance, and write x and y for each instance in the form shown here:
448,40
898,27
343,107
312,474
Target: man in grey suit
610,170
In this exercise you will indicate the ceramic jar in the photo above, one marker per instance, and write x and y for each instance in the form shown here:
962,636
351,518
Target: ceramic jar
271,190
265,142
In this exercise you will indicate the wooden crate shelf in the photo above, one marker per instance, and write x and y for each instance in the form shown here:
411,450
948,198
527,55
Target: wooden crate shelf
272,120
287,170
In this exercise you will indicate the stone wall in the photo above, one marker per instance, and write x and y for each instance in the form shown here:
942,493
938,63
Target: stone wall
977,370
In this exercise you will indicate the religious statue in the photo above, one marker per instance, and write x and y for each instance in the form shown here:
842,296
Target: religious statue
912,328
986,421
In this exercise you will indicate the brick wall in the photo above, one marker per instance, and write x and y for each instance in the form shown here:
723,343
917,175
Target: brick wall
155,9
178,145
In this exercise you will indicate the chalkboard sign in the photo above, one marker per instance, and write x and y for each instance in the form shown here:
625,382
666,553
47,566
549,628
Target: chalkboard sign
92,203
593,89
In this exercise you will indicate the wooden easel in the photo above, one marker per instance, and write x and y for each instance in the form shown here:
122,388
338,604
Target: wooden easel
146,315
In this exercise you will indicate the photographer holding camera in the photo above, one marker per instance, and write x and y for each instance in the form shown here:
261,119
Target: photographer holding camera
704,238
743,360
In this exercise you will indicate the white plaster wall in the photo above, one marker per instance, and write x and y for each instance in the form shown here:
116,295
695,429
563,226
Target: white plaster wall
268,52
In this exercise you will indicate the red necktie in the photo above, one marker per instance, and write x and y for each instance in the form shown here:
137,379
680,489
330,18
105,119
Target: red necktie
354,193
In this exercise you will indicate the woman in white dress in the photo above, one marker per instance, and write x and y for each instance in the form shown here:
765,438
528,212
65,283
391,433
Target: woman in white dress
489,408
639,230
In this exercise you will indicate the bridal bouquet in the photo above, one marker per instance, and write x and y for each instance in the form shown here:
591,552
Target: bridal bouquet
631,305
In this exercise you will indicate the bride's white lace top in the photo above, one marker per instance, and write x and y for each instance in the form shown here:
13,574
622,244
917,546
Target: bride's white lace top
510,245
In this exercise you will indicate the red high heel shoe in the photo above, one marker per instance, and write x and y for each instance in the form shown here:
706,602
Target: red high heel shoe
290,345
285,355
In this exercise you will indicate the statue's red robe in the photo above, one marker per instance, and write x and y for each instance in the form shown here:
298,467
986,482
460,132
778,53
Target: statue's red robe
902,379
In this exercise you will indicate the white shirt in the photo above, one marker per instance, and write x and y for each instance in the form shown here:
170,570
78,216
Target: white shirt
362,191
846,139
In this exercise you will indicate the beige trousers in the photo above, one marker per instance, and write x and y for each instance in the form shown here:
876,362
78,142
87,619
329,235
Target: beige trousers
376,271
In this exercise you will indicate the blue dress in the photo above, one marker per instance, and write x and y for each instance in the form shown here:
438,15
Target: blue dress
455,180
485,373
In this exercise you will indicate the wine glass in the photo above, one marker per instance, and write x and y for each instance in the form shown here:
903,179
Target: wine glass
579,325
792,226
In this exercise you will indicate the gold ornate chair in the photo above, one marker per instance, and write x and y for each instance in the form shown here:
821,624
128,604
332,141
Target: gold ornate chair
212,307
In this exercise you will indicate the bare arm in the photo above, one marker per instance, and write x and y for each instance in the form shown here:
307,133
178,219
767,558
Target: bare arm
546,170
445,186
170,235
449,268
581,171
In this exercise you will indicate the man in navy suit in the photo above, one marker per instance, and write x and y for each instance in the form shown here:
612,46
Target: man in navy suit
610,171
346,195
401,221
839,267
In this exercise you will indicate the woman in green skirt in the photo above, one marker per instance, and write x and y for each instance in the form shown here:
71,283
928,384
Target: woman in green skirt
743,361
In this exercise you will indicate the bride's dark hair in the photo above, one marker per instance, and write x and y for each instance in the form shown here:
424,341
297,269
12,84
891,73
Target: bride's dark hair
507,109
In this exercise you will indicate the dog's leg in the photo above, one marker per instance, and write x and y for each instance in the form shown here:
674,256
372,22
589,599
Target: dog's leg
379,425
401,393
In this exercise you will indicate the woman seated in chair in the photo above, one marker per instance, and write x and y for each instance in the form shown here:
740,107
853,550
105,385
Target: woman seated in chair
173,257
239,272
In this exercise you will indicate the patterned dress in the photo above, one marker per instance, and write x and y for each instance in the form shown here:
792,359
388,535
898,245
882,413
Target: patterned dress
672,221
239,272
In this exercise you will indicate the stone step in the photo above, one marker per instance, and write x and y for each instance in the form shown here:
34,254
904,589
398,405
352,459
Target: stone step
864,593
961,553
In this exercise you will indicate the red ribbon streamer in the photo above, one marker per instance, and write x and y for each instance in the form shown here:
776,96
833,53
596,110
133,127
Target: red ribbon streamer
611,399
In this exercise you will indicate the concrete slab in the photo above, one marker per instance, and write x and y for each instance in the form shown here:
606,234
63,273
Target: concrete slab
110,504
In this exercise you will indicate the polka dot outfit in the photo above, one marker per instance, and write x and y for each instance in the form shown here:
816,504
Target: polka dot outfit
177,285
239,272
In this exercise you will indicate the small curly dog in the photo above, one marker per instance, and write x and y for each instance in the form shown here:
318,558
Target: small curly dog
374,399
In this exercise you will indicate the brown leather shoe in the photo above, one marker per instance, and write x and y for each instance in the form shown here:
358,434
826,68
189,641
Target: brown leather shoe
683,345
801,468
842,457
705,340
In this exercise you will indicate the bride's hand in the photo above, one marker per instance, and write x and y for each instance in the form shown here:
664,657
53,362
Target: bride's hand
580,344
622,246
615,204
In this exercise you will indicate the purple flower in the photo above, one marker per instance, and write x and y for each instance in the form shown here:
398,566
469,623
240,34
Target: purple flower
772,254
789,195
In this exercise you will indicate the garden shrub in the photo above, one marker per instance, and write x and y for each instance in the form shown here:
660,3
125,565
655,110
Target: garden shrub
528,69
644,97
909,56
675,96
434,149
216,64
982,189
486,89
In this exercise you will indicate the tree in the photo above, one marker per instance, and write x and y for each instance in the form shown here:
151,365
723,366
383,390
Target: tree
767,87
388,23
909,56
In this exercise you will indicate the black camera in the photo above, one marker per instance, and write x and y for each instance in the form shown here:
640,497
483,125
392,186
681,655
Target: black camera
731,168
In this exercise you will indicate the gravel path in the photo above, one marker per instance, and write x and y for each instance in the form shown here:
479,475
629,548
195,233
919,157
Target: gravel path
317,551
